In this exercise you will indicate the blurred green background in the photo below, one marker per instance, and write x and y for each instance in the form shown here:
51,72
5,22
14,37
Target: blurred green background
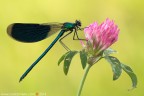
48,79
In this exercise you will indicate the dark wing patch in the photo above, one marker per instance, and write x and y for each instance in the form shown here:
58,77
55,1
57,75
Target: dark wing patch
28,32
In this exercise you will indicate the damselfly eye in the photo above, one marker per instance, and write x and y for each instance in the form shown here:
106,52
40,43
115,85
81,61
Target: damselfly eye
78,23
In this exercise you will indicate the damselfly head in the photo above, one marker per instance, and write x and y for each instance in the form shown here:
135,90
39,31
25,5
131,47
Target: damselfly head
78,23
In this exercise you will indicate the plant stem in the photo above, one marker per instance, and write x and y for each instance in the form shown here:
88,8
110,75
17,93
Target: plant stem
83,79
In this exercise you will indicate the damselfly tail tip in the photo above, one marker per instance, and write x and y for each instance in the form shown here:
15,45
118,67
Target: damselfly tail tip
21,79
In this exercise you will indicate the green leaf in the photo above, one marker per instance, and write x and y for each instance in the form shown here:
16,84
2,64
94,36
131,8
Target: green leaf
83,57
62,58
116,66
67,61
132,75
109,51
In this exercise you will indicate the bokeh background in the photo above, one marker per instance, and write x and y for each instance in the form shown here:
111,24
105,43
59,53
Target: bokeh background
47,78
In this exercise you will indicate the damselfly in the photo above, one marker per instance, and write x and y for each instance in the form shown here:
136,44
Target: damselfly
30,32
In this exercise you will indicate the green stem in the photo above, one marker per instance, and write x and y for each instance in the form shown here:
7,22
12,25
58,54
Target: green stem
83,79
